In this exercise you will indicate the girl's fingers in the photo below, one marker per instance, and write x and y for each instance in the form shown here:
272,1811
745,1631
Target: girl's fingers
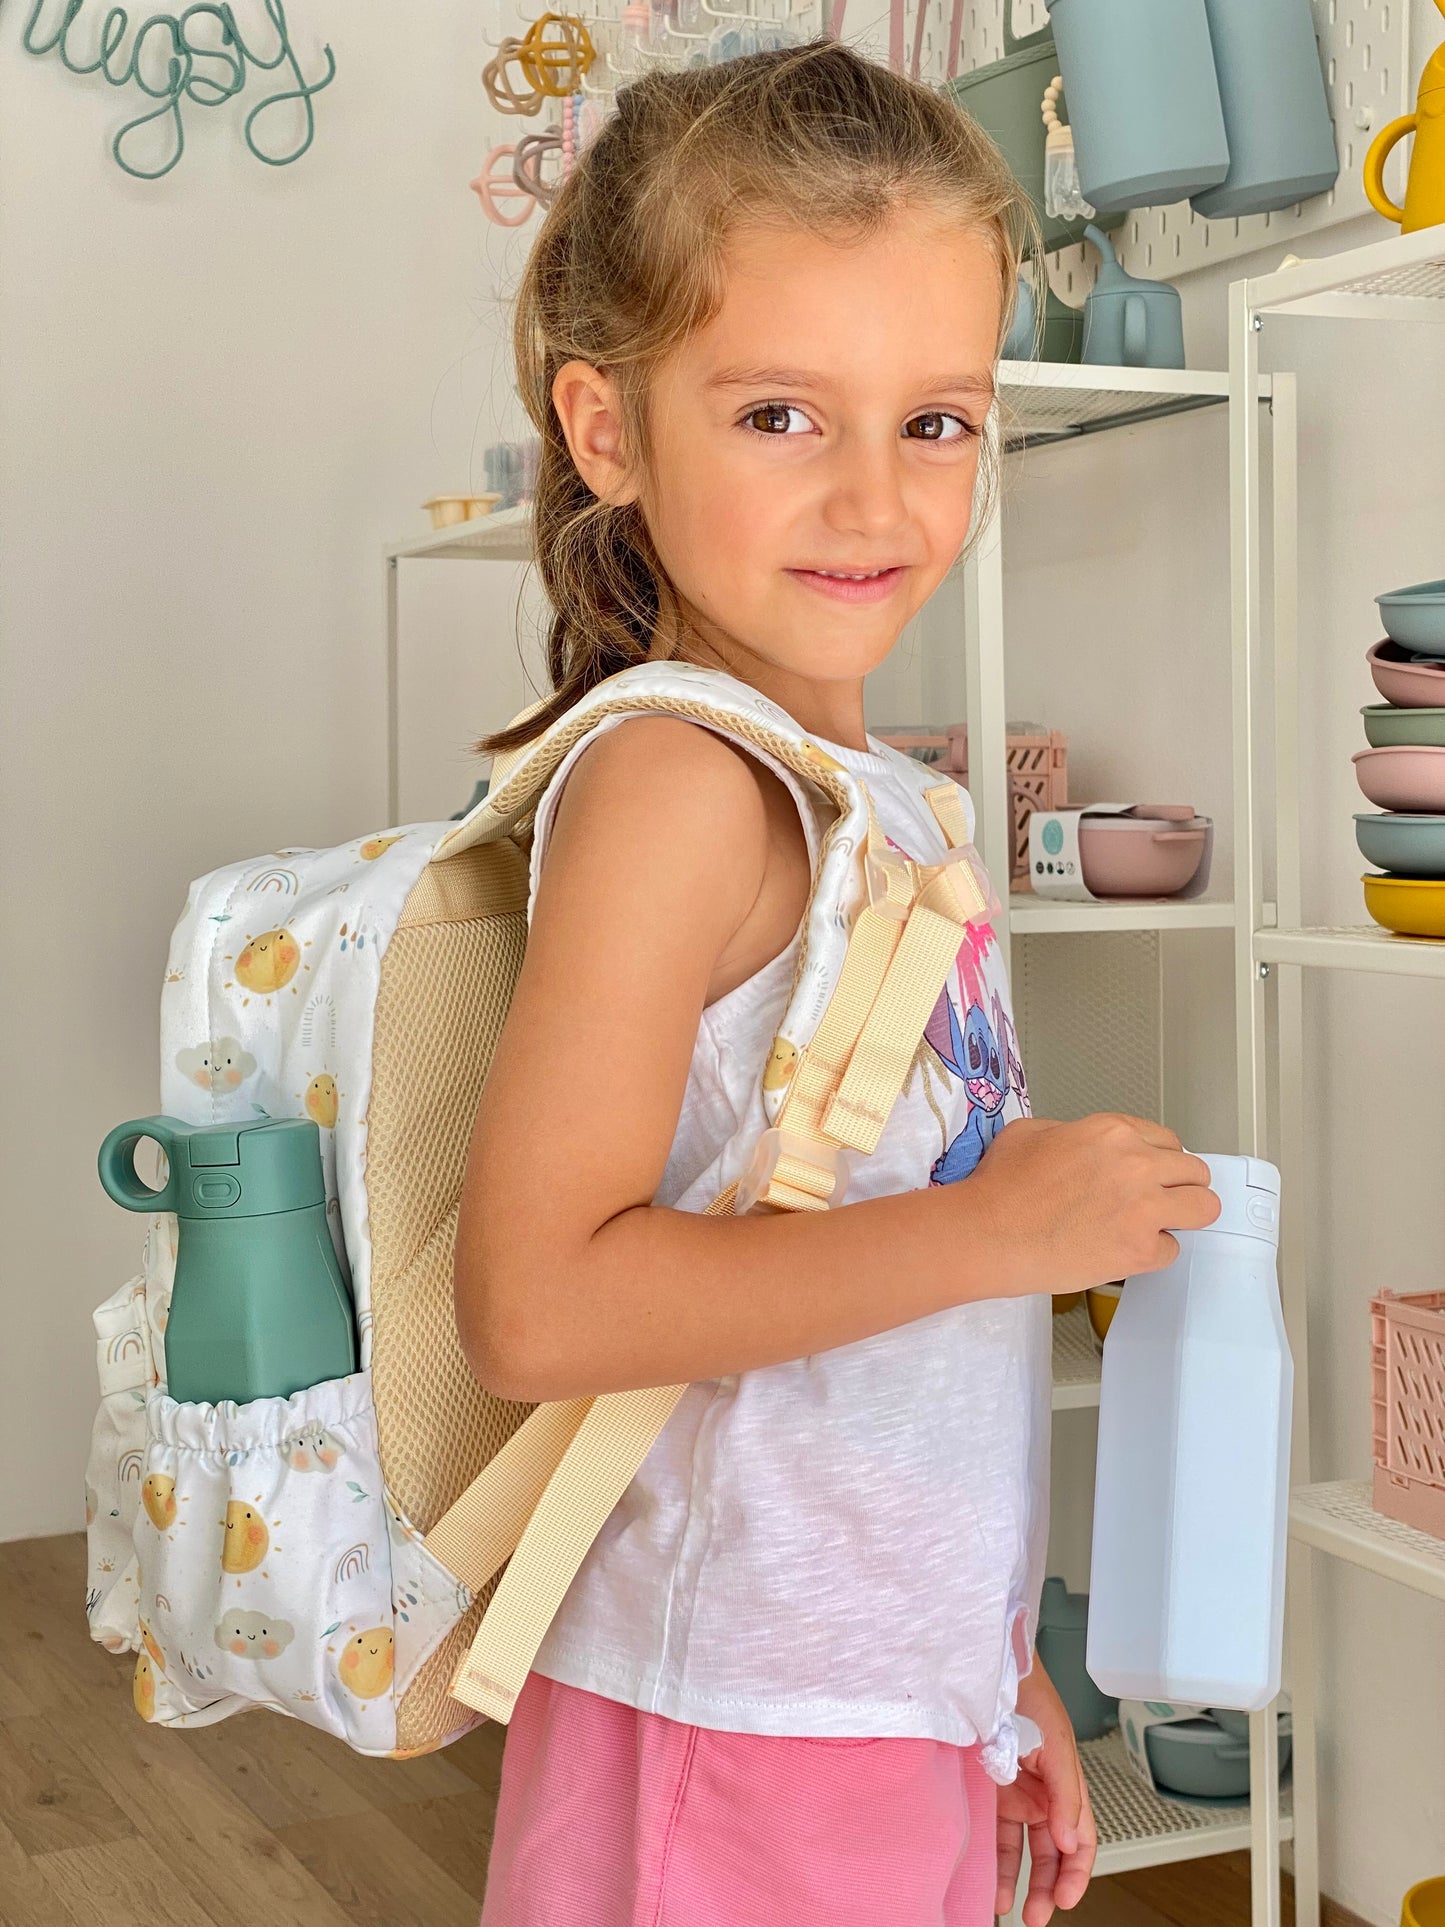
1043,1877
1076,1867
1010,1857
1064,1782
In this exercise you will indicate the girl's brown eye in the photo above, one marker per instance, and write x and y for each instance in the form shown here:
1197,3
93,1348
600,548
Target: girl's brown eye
772,418
933,426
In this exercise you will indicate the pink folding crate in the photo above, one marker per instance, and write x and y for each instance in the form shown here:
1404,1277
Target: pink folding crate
1408,1371
1038,772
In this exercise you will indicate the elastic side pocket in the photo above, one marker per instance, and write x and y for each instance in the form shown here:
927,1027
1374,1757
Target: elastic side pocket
114,1468
265,1563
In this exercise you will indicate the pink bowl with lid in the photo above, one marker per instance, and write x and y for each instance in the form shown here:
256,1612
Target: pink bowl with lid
1153,851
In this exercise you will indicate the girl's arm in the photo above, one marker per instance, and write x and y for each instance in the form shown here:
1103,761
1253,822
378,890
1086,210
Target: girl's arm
676,869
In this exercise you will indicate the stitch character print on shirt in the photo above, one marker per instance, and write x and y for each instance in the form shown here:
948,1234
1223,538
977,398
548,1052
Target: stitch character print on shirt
981,1052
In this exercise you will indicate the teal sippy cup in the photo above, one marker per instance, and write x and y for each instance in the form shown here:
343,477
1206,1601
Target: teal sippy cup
259,1308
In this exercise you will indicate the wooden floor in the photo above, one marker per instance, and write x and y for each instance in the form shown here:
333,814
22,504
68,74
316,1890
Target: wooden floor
261,1821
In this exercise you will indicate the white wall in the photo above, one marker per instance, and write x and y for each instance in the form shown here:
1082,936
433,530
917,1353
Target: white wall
220,394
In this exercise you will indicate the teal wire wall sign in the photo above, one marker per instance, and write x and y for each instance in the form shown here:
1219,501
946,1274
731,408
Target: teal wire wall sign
182,51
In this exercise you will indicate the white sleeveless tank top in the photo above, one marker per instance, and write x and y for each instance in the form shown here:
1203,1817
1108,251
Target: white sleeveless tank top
850,1544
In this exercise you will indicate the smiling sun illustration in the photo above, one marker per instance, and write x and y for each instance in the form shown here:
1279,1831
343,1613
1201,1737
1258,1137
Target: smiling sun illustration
321,1100
158,1496
246,1539
268,963
365,1665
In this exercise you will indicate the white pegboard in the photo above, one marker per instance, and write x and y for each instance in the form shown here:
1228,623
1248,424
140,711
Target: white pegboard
1365,51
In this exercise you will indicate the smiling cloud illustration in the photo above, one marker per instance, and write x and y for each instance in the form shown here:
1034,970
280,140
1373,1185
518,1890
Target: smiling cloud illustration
311,1448
218,1065
254,1635
365,1665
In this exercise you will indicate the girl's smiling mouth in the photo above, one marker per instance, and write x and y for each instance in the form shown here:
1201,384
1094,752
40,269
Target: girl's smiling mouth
872,585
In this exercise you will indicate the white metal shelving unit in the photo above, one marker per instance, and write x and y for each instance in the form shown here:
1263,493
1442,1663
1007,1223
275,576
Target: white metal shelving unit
1046,403
1399,279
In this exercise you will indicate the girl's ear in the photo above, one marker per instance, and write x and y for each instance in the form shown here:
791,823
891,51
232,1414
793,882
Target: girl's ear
589,409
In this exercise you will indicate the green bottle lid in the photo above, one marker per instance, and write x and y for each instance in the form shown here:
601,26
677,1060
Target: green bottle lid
245,1170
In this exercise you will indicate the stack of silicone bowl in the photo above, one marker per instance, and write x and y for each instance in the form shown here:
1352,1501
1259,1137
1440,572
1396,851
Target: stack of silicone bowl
1403,770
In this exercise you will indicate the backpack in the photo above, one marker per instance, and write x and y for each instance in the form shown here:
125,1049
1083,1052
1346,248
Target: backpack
380,1555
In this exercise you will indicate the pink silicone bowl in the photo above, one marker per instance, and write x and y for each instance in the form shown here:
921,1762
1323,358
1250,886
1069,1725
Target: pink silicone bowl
1403,777
1409,685
1130,857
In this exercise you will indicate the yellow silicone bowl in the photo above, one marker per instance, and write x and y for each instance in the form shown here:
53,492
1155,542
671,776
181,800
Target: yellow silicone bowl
1424,1905
1103,1303
1066,1301
1410,906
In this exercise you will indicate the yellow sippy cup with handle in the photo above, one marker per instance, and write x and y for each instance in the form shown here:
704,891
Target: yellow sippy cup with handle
1425,189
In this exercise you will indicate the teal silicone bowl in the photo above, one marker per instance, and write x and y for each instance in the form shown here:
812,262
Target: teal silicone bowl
1415,617
1406,846
1386,726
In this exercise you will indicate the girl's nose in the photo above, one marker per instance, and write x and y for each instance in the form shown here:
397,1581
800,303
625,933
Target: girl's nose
866,497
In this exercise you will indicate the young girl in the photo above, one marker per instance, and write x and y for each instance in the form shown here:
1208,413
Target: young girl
792,1683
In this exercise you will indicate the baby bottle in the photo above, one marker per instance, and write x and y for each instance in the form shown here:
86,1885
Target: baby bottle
259,1308
1186,1598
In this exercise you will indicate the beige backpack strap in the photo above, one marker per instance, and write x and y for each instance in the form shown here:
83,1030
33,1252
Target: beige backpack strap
572,1463
946,802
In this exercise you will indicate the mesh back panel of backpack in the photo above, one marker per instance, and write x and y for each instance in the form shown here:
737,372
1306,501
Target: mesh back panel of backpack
446,984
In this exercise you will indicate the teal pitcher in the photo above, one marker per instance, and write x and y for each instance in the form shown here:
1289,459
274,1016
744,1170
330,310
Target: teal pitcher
1130,322
259,1308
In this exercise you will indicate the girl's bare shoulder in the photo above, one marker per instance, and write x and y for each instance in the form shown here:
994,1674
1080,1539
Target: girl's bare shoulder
666,811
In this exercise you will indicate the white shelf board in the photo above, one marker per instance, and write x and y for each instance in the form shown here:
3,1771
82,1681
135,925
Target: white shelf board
1138,1828
1339,1518
1401,278
1031,915
503,536
1076,1361
1054,400
1363,947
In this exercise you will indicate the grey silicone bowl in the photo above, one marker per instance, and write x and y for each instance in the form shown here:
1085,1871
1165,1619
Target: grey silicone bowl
1386,726
1416,616
1200,1760
1405,845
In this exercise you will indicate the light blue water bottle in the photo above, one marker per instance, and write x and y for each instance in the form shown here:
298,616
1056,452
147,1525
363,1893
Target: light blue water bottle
1191,1496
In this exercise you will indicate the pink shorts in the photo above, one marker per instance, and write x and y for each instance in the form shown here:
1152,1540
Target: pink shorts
610,1817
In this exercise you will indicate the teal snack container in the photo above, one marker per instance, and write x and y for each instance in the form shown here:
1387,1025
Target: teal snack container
259,1308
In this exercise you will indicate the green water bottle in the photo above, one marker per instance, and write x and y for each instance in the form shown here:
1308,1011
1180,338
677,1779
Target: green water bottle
260,1308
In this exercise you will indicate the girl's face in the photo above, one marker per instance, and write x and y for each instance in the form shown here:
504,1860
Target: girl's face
812,451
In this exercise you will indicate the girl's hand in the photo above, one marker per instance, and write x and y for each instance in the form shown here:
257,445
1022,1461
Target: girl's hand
1051,1798
1078,1204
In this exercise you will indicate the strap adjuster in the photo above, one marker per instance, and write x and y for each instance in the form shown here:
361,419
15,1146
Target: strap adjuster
974,886
892,884
804,1161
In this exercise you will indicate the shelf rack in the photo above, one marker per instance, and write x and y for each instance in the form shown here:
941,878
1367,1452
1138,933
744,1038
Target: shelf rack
1139,1828
1077,1362
1398,279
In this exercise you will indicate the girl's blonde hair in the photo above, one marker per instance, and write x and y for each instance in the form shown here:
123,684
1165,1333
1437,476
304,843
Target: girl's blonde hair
628,264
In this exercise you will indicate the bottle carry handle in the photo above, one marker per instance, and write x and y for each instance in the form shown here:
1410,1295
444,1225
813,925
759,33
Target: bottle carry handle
116,1164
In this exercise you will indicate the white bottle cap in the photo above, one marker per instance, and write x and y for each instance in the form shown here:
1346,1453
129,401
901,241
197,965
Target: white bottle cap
1248,1191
